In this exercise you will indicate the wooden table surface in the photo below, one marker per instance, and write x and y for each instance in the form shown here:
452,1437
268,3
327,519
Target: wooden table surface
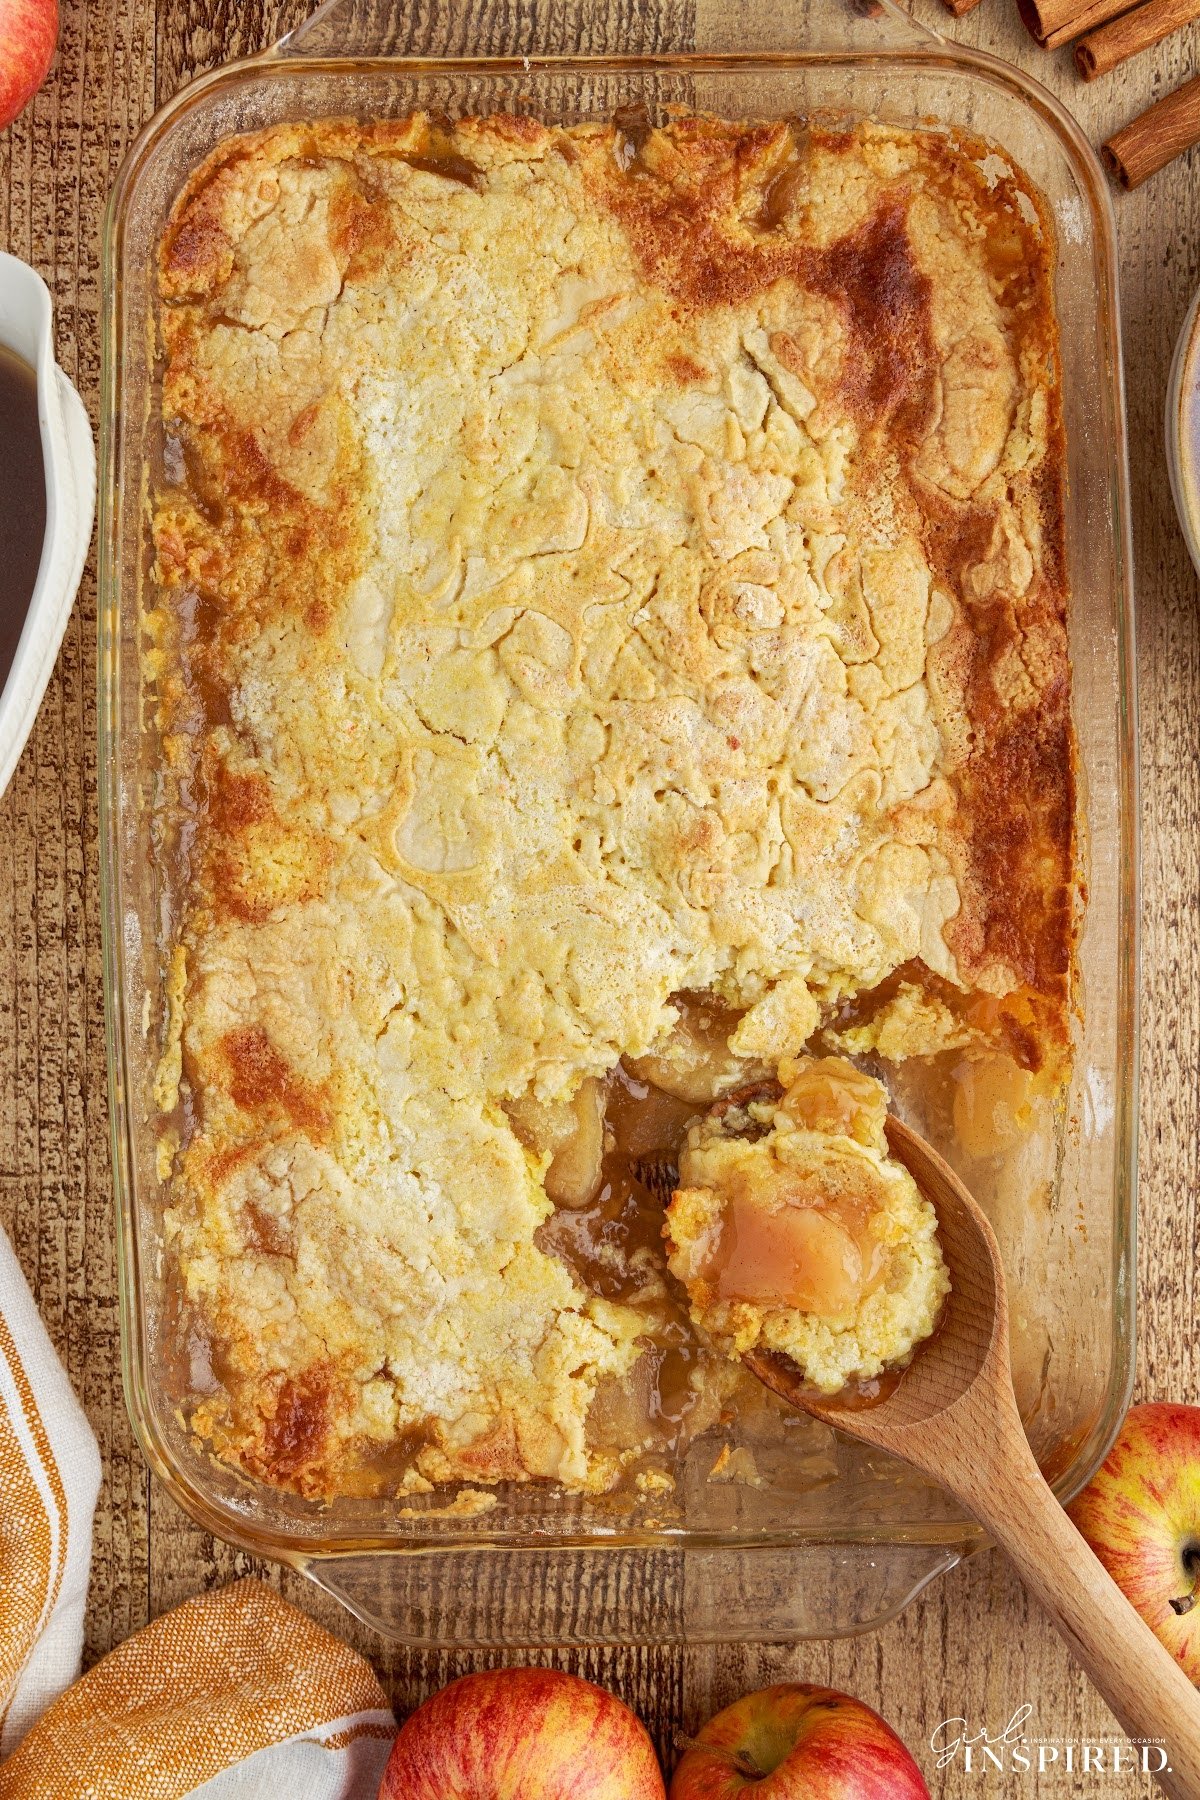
972,1645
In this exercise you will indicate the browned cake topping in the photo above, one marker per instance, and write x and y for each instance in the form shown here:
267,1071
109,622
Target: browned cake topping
609,634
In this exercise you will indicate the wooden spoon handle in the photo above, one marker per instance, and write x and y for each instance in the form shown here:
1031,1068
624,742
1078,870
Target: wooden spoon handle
1138,1677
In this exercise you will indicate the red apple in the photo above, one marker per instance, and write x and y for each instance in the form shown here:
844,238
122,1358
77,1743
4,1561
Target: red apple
28,32
797,1742
522,1734
1141,1515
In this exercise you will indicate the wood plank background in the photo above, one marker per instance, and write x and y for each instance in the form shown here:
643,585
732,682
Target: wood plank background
972,1645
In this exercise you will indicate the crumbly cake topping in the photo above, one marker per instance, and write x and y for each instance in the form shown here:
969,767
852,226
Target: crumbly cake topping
589,568
794,1231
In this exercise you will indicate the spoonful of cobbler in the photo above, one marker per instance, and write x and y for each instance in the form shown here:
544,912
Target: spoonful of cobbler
815,1285
794,1231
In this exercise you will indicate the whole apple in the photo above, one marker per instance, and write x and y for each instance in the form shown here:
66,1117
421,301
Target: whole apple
1141,1515
797,1742
522,1734
28,33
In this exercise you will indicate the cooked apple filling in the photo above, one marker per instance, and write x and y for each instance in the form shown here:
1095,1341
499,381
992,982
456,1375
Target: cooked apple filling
794,1231
608,634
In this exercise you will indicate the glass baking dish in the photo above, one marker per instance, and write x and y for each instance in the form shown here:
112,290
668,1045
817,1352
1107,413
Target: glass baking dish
834,1538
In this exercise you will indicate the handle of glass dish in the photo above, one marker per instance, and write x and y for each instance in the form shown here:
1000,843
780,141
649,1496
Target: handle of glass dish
509,1596
375,28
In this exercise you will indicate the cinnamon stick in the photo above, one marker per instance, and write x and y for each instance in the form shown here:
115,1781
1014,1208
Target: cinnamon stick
1055,22
1149,142
959,7
1102,49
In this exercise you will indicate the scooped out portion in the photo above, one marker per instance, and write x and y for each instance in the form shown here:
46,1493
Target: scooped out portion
793,1230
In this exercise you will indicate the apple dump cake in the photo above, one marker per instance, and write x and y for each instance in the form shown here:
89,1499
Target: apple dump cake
607,634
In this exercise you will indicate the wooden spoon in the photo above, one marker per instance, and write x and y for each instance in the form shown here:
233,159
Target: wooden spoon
953,1415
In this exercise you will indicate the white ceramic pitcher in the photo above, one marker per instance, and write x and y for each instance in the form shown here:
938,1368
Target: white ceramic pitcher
70,463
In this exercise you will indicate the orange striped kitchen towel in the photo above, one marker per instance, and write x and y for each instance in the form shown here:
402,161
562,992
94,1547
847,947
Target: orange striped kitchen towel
49,1479
233,1694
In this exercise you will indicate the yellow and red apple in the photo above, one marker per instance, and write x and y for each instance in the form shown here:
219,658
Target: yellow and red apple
797,1742
1141,1515
523,1734
28,33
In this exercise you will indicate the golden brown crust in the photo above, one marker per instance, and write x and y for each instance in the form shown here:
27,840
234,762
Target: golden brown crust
1005,659
592,564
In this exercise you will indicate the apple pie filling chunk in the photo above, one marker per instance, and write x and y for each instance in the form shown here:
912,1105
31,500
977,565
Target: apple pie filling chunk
794,1231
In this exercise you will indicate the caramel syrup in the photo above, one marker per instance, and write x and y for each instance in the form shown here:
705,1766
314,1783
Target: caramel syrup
614,1247
22,500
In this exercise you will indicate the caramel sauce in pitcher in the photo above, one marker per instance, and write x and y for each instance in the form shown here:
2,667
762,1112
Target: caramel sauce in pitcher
22,500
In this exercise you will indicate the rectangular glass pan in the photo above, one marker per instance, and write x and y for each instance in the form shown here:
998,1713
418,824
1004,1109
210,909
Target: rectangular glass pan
836,1538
